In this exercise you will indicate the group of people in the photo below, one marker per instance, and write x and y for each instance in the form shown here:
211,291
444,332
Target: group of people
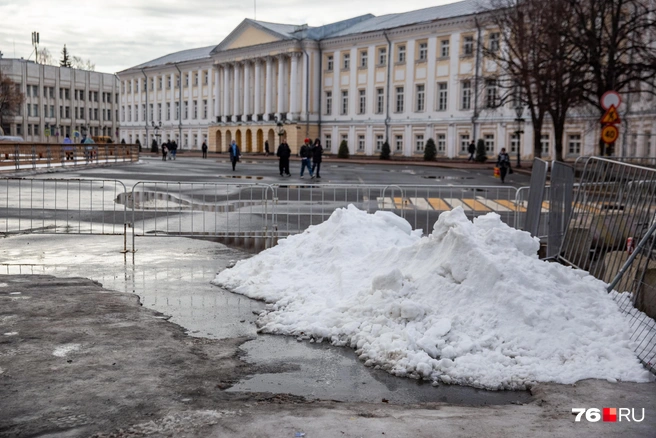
311,156
170,149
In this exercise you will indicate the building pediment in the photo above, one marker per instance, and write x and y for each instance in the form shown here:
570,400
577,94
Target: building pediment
251,33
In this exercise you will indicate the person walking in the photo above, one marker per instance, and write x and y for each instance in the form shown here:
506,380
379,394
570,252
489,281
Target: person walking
266,148
234,154
306,156
173,149
165,150
503,163
472,151
204,149
317,153
283,154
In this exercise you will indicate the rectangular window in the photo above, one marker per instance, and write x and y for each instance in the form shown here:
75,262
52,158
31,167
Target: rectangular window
143,112
441,144
423,51
399,99
489,143
168,82
67,93
329,62
544,143
400,54
363,59
195,109
468,46
196,79
160,83
329,142
206,81
19,129
363,101
465,101
398,143
129,113
380,100
444,48
61,111
421,98
204,109
329,102
91,114
379,142
35,91
464,143
67,112
177,111
150,111
344,102
574,144
168,110
186,78
186,110
514,143
491,93
442,96
29,129
35,110
494,42
419,142
45,110
360,143
159,112
382,56
95,114
346,61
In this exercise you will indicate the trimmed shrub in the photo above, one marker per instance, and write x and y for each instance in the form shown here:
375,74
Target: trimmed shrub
430,150
385,152
343,150
153,146
481,155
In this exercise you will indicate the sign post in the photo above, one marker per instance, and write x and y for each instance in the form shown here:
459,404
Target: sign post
610,101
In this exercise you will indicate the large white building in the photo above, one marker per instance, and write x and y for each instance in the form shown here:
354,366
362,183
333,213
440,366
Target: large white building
60,101
401,77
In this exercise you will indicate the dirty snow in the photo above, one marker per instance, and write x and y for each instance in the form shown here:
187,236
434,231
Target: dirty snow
63,350
471,303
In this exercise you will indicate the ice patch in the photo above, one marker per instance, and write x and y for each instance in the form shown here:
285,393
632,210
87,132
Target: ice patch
471,303
10,333
63,350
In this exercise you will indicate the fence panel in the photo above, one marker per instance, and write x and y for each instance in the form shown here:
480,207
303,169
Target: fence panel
614,209
53,206
218,210
560,194
534,205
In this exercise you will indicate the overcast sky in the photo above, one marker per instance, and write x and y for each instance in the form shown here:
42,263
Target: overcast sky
119,34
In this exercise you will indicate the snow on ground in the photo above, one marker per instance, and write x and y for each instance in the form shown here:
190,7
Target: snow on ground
471,303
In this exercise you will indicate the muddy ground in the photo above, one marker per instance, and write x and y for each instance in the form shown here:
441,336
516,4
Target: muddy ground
77,360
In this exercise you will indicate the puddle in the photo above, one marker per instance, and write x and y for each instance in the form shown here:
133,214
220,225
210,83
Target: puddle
172,275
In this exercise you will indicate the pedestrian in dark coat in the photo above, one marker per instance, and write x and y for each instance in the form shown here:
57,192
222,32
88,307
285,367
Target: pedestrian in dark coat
317,153
165,150
503,163
234,154
204,149
306,157
266,148
472,150
283,153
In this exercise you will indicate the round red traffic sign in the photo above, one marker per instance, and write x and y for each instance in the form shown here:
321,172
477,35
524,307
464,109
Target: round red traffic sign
609,134
610,98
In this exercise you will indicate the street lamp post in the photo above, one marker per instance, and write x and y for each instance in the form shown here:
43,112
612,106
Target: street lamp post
519,111
280,129
157,133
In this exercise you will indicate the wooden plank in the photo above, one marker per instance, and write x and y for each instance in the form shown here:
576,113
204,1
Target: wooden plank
511,205
455,202
421,204
476,205
492,204
438,204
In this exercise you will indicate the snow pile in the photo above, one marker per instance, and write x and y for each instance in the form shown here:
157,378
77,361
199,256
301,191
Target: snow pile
469,304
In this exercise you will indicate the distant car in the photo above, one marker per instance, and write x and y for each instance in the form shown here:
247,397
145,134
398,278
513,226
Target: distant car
11,139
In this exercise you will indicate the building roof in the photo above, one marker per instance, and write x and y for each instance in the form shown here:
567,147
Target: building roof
466,7
174,58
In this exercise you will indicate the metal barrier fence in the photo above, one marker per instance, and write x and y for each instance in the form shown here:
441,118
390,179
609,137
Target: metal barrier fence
560,195
70,206
33,156
615,208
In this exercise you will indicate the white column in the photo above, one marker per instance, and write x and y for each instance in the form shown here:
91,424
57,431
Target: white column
258,79
293,88
190,107
235,85
281,85
247,90
226,94
216,107
268,88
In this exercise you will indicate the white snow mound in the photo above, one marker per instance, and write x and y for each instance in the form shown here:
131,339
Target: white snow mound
471,303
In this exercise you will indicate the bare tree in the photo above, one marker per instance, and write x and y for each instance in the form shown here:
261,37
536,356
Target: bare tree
616,40
11,99
83,64
43,56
